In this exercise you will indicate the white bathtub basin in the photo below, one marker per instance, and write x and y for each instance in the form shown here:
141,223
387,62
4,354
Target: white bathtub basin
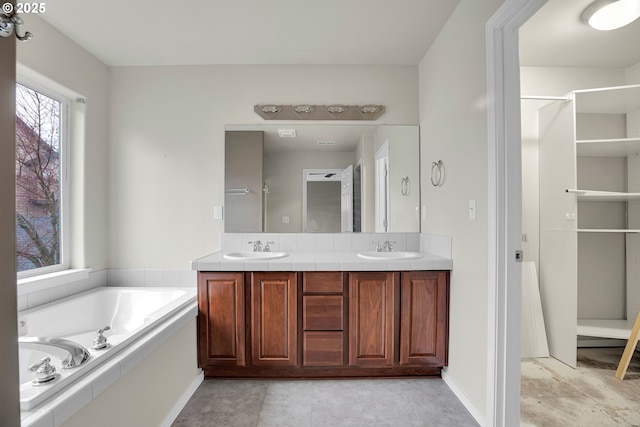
399,255
132,313
243,256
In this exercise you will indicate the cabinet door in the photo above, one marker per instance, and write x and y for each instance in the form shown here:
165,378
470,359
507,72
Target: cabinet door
424,318
371,318
273,318
221,338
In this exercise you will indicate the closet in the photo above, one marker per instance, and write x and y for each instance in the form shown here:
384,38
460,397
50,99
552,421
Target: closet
589,216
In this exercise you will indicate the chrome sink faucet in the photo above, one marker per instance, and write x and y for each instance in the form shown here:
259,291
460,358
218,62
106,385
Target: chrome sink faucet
387,246
77,353
258,247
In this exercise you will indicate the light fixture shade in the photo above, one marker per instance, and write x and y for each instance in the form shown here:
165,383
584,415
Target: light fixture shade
608,15
335,109
303,108
269,108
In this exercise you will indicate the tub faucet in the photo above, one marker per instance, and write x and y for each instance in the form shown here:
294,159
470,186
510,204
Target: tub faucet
77,353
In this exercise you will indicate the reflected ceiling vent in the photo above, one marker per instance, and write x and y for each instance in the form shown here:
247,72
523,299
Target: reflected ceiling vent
287,133
326,142
319,112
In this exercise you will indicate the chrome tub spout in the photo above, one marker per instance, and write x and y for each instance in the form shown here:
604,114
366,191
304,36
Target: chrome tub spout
77,353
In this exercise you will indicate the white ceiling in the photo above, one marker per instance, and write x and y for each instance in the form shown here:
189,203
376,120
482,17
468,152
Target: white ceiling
556,37
169,32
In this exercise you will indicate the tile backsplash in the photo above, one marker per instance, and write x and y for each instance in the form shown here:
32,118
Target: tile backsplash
319,242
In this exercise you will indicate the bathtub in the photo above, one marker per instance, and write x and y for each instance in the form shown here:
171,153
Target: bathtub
133,314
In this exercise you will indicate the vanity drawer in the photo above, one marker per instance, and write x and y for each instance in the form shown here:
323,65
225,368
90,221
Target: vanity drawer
322,312
322,282
323,349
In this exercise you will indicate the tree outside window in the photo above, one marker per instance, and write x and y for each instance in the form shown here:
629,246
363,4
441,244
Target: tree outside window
38,179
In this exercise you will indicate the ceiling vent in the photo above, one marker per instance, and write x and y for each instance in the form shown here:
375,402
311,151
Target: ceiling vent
287,133
326,143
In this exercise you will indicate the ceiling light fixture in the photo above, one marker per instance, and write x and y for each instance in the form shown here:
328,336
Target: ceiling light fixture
319,112
608,15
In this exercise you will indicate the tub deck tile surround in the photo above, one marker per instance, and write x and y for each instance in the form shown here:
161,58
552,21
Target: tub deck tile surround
55,411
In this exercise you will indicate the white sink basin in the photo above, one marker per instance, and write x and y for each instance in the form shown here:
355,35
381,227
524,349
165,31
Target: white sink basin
243,256
390,255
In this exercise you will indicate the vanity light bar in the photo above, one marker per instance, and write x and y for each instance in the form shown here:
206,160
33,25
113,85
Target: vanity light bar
319,112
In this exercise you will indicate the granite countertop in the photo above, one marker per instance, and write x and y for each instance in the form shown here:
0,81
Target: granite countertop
321,261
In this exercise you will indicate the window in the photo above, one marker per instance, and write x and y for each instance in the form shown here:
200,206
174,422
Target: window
40,182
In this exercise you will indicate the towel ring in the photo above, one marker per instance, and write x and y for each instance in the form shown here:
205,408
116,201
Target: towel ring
437,173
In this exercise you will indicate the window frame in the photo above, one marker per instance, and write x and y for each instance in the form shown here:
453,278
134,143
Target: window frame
64,185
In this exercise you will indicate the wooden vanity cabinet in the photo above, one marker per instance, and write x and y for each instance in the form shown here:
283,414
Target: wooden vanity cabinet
221,319
372,318
323,324
323,319
273,319
424,318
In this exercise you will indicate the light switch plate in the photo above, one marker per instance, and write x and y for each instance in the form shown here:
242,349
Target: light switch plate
217,212
472,210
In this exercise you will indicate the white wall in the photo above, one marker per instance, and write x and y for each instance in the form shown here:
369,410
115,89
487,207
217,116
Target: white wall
9,388
167,141
53,56
453,121
403,163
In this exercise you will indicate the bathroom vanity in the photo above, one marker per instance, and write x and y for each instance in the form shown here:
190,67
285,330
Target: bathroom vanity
289,317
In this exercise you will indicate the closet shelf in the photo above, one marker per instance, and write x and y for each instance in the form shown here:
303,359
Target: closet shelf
603,196
618,147
607,230
605,328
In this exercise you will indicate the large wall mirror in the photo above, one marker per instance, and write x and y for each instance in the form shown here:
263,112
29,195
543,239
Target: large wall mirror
322,178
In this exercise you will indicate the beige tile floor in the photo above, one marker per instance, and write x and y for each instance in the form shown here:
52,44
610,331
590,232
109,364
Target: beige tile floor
384,402
553,394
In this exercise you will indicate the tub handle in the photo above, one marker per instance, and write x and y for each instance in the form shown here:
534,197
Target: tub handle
100,342
77,353
45,372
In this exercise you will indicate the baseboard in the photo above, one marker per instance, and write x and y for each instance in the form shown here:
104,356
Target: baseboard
480,419
180,404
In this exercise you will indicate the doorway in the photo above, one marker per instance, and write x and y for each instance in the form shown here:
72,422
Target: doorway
382,188
327,200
